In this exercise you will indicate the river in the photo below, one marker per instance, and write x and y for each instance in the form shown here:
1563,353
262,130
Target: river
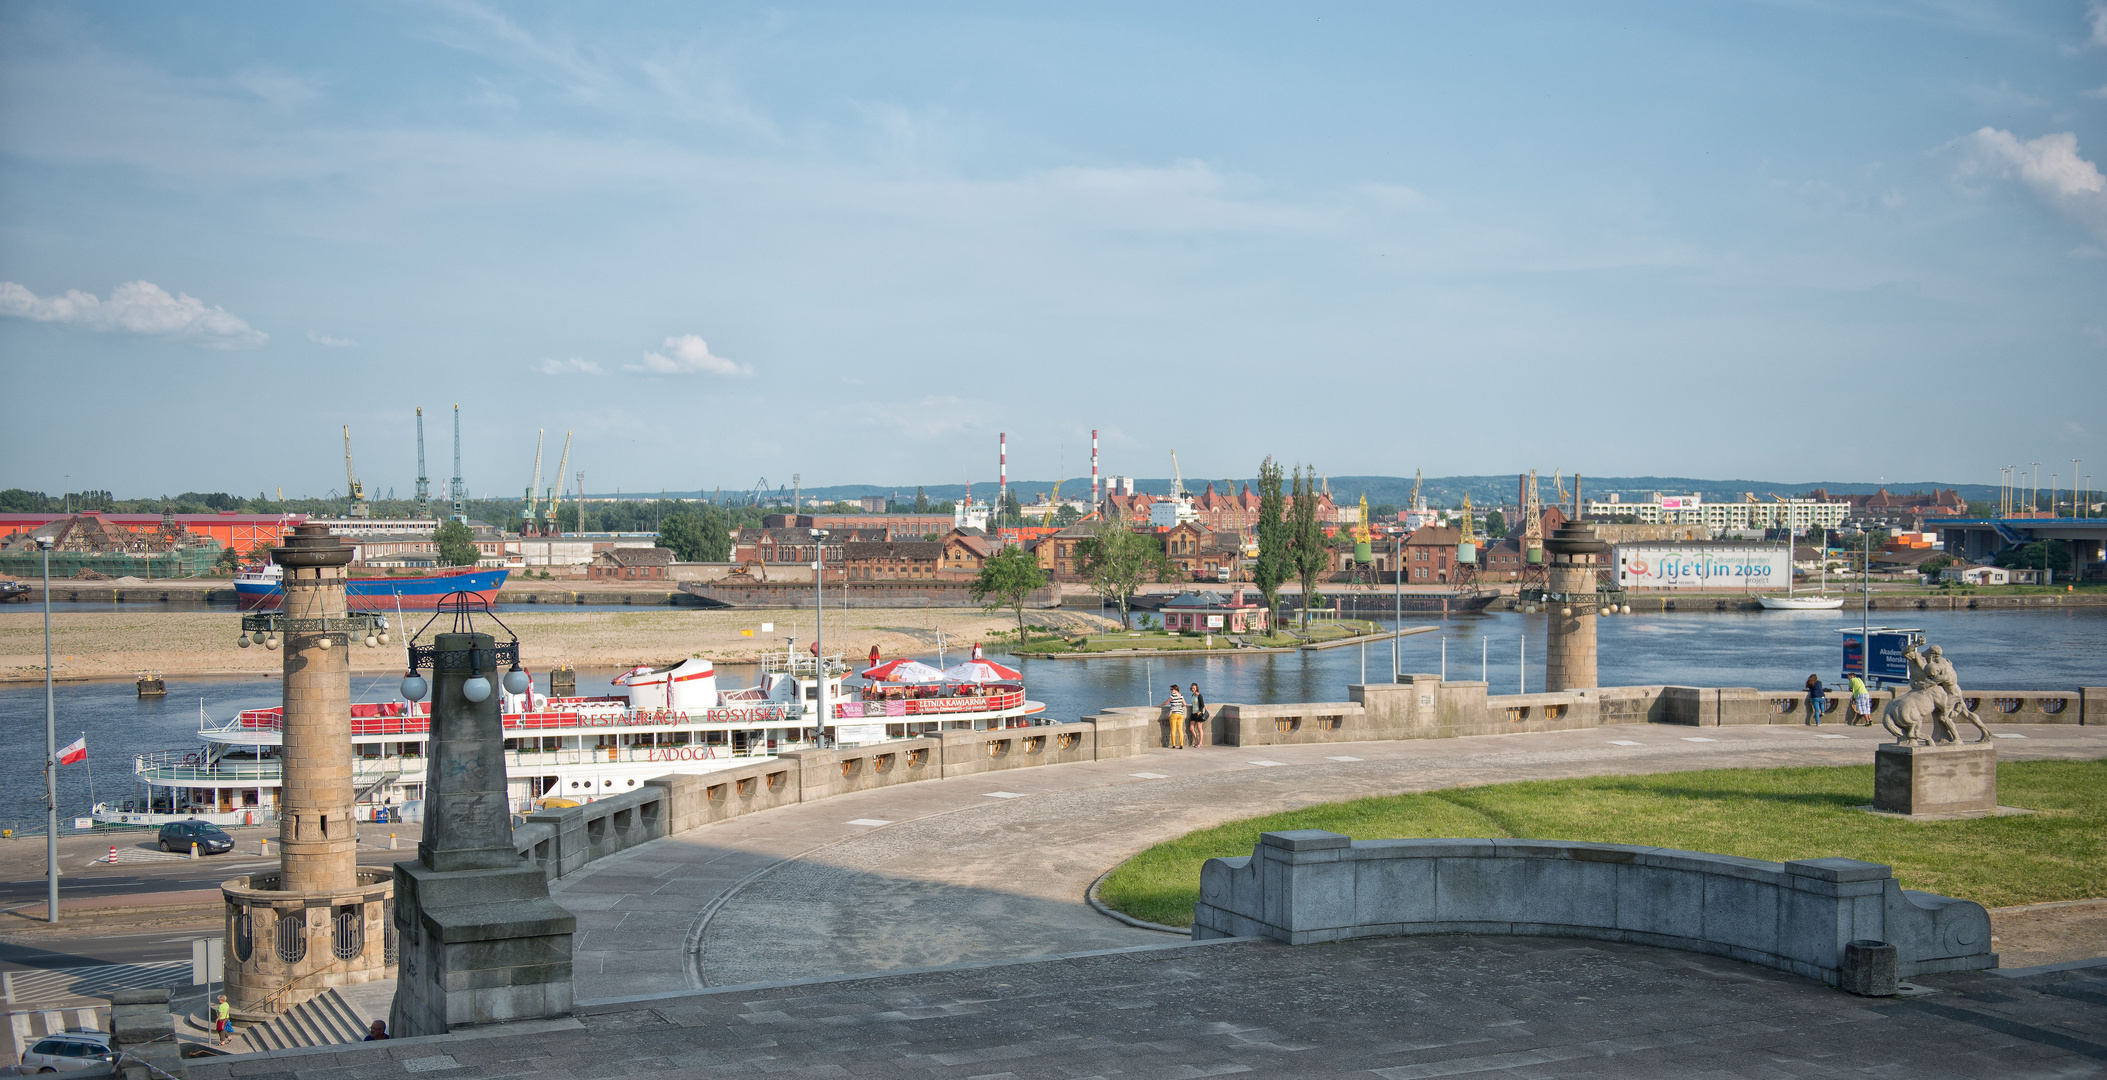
1993,650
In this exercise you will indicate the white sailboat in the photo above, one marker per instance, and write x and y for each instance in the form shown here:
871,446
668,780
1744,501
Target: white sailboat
1820,601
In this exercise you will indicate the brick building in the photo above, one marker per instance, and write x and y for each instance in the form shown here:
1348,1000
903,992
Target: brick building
894,560
632,564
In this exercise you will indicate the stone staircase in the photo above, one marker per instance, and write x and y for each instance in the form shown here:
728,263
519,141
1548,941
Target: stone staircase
323,1020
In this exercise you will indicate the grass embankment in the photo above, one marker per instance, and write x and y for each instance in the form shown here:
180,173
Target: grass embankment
2057,853
1188,641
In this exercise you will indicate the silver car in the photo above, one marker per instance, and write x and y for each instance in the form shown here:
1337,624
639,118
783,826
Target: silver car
74,1051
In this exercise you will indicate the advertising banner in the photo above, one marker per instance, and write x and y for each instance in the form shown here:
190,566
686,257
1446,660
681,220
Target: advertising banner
1889,665
1725,568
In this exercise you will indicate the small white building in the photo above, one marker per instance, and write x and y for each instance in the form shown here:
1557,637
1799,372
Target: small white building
1970,574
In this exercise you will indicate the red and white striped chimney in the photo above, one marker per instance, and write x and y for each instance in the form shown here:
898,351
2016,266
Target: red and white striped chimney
1002,486
1093,467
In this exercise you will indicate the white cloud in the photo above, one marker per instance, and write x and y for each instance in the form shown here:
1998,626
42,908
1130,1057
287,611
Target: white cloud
135,307
687,355
573,366
2097,94
2050,167
320,338
2098,15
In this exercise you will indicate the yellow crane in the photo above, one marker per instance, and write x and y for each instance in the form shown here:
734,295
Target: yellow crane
1415,504
549,525
358,490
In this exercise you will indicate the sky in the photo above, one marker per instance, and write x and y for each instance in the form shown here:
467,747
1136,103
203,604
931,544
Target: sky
715,243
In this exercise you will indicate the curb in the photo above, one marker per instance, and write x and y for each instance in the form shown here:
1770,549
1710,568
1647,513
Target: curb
1142,924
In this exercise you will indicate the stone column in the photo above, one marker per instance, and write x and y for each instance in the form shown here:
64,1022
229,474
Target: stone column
1569,646
482,942
467,821
317,837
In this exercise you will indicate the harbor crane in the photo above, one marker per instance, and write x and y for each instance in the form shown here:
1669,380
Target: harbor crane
357,490
550,526
457,492
526,521
424,486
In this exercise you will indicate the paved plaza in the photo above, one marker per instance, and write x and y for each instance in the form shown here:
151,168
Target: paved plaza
940,930
996,866
1397,1008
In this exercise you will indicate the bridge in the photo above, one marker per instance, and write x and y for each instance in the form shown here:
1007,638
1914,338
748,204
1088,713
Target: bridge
1979,539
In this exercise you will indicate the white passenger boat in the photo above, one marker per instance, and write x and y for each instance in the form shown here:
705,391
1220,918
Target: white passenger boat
658,721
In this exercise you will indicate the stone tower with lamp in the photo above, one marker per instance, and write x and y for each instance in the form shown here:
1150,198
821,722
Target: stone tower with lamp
481,941
318,921
1574,601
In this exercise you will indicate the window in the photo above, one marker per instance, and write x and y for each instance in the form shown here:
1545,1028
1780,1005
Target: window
292,936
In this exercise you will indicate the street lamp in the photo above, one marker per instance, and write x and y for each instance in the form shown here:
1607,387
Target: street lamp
51,755
819,628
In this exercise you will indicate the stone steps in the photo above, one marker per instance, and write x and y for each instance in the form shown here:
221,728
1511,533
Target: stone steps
323,1020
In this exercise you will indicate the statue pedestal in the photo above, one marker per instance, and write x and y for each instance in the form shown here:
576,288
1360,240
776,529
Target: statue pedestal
1945,779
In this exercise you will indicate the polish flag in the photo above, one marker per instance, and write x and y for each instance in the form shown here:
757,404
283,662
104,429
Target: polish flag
74,752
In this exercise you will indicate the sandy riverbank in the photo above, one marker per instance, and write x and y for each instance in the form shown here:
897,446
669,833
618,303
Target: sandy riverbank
118,645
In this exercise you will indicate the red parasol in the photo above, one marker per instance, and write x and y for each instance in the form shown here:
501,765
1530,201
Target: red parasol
904,670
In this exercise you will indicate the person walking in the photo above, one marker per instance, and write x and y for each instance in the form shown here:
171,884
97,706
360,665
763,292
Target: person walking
1861,703
1196,721
1817,697
1175,704
223,1020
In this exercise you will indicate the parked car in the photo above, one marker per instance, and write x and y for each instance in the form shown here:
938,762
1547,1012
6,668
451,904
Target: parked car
74,1051
13,590
177,836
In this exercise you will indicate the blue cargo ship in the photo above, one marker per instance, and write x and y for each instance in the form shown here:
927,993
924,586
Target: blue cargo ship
259,589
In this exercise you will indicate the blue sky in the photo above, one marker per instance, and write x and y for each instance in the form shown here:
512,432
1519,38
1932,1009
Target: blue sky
1780,240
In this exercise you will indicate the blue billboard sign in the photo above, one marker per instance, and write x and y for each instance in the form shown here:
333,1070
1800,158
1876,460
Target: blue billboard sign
1885,647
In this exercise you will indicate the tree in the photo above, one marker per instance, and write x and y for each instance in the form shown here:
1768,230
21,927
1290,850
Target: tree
715,543
1117,561
921,502
1273,567
1308,553
1006,580
1065,516
1012,510
1495,524
682,533
2030,556
457,546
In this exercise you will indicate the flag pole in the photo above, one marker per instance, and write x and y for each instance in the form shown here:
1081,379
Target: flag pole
90,763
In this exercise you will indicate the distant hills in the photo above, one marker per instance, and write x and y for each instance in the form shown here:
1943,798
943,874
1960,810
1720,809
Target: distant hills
1396,490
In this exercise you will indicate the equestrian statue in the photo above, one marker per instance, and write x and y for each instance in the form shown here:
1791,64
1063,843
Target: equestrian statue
1934,698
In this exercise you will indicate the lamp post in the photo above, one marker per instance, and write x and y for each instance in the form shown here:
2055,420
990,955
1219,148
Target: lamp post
819,628
51,756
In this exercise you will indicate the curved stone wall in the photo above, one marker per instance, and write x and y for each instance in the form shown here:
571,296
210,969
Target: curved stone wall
1308,886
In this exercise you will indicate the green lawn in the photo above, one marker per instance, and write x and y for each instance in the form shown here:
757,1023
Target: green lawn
2058,853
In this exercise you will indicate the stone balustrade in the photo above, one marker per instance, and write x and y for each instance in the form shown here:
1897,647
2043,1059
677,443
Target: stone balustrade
1309,886
563,839
1427,707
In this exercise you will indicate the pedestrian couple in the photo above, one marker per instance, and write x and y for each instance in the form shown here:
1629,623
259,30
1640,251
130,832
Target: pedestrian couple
1188,720
1818,701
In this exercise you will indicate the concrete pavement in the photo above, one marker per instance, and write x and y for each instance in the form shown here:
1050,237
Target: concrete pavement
1397,1008
985,868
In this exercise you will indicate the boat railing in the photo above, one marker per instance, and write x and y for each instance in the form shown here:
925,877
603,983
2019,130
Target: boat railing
853,710
415,724
190,768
